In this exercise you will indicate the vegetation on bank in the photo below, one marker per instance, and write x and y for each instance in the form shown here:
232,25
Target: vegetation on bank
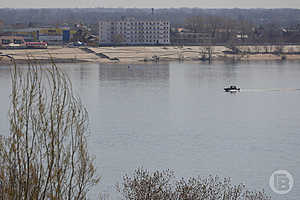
162,185
45,155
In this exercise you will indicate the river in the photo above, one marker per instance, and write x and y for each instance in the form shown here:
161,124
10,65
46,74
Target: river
177,116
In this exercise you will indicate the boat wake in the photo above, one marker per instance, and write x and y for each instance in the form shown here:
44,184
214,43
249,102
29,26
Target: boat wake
271,90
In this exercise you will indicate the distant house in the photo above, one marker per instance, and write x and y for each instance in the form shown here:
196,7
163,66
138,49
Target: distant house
183,36
130,31
241,36
291,35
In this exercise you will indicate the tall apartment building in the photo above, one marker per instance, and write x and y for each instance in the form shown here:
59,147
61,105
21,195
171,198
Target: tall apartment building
130,31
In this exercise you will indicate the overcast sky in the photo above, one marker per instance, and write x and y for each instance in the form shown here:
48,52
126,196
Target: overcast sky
150,3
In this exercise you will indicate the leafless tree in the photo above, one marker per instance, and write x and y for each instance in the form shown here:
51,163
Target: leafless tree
144,185
161,185
118,38
196,23
214,188
207,53
45,155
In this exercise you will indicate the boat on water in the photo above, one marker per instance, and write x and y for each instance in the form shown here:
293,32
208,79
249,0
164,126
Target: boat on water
232,88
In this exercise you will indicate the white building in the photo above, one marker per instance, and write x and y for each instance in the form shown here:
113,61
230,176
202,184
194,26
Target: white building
130,31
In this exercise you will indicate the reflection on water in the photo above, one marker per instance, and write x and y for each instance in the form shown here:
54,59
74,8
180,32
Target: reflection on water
134,72
178,116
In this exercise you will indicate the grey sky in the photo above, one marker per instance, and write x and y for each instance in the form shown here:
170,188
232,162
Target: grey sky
150,3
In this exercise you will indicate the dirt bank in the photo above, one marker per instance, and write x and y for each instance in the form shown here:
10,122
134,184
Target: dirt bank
141,54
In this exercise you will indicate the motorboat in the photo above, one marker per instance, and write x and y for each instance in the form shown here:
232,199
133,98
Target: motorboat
232,88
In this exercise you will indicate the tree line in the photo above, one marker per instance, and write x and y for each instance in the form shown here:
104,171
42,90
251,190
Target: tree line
282,17
254,26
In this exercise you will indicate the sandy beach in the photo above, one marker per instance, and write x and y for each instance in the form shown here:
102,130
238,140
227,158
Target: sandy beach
142,54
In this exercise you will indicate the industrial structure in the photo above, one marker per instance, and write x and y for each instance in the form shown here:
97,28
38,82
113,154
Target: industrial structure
130,31
51,35
12,42
18,42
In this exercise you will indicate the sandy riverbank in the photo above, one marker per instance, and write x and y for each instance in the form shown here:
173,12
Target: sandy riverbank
130,55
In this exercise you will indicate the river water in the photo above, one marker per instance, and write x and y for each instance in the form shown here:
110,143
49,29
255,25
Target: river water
177,116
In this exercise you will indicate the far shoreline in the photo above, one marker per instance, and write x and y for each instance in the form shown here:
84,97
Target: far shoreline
148,54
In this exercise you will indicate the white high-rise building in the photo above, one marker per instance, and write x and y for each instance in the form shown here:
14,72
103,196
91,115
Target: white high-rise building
130,31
